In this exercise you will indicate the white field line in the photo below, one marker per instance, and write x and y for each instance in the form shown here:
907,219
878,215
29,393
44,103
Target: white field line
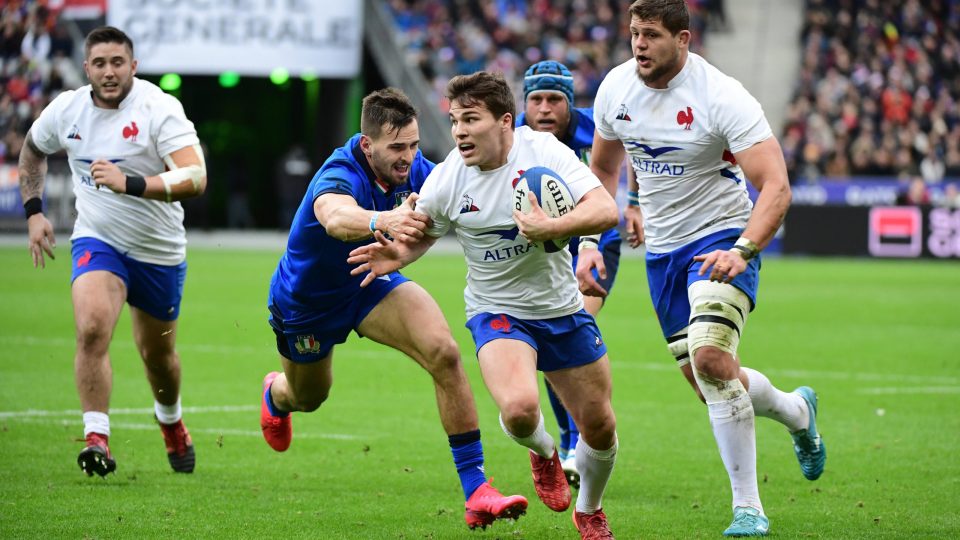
120,411
194,431
268,350
889,390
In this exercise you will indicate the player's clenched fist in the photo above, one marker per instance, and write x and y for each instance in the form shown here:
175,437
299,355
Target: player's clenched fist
109,175
404,223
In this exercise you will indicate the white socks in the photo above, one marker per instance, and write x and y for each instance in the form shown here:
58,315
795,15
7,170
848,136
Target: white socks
787,408
595,467
733,427
96,422
168,414
539,441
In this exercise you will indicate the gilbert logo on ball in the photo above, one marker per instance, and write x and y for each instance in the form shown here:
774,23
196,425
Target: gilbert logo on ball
552,194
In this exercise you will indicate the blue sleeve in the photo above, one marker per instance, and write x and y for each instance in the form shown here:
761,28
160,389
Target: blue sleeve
336,180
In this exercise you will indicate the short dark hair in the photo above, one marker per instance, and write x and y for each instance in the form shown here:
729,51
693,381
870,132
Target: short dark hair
491,89
672,14
106,34
390,107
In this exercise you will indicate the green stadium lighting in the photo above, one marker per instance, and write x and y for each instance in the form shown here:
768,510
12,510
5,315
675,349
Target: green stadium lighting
229,79
170,82
279,76
308,76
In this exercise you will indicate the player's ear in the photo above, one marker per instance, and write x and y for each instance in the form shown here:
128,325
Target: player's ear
683,38
133,67
365,143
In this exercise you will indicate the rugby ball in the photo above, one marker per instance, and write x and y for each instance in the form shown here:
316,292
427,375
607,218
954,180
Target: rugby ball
552,194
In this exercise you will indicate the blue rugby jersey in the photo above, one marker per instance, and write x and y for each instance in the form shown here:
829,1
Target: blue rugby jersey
579,137
313,274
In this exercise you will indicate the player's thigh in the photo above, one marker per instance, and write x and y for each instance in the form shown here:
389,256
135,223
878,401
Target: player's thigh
98,298
509,369
585,391
408,319
309,380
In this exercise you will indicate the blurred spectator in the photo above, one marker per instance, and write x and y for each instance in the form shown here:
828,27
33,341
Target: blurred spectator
29,77
950,198
932,168
451,37
880,85
916,194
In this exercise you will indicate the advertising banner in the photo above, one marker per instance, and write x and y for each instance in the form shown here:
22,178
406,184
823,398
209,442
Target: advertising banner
879,231
249,37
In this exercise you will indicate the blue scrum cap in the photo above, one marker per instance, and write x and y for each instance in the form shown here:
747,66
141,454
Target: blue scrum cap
548,76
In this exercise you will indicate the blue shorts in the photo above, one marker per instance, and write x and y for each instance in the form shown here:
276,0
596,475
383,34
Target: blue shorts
307,337
153,288
611,259
669,275
563,342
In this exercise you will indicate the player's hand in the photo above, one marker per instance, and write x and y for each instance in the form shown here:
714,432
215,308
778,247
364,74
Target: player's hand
587,260
535,226
723,265
403,223
378,258
634,222
41,240
108,174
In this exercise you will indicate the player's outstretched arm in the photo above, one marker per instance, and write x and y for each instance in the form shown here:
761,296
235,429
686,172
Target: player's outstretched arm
186,178
345,220
32,171
383,256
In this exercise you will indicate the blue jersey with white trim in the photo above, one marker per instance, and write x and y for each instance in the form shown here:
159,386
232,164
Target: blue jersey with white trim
313,274
579,137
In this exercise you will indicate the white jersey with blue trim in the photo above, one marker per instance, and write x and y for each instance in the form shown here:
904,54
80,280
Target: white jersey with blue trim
505,273
680,141
147,126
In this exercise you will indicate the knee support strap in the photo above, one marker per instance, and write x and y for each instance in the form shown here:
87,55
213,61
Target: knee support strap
718,312
677,344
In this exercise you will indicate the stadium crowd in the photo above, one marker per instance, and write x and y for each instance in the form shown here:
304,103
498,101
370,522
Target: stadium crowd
878,91
35,64
455,37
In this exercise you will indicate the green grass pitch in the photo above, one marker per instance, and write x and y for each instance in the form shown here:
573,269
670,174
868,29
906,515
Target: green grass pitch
878,340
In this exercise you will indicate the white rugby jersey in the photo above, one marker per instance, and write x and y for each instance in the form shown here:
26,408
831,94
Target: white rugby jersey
681,142
505,273
147,126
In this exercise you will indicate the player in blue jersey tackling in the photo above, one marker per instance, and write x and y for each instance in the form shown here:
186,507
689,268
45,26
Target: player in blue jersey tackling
548,93
695,137
369,185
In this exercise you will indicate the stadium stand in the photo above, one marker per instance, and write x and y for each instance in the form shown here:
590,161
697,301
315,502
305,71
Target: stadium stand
454,37
877,93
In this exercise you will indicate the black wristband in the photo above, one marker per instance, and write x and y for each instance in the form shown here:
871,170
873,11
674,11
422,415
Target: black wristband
33,206
590,239
136,185
745,252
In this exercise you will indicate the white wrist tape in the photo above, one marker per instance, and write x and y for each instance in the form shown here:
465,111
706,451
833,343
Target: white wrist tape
589,241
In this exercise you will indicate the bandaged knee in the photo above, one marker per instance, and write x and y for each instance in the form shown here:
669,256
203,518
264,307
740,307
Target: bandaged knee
718,312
